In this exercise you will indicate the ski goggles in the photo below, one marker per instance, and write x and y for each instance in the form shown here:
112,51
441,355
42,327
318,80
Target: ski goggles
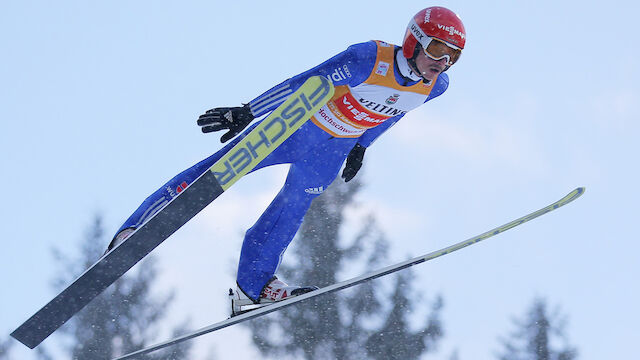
437,49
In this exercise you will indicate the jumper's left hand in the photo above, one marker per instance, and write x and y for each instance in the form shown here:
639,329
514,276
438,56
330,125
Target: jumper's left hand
235,119
354,162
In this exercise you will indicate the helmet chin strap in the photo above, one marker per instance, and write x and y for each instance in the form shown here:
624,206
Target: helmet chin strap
414,66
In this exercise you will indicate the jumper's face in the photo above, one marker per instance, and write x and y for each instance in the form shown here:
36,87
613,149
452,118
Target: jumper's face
429,68
433,56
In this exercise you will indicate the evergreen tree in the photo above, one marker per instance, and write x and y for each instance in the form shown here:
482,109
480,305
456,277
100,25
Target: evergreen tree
356,323
539,337
5,346
121,319
393,340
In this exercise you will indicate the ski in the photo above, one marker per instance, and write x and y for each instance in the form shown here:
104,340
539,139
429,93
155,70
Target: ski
237,162
358,280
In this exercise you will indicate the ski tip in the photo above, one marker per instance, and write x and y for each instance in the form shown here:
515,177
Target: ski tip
572,196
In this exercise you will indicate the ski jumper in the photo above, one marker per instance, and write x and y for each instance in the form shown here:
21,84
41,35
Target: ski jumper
374,89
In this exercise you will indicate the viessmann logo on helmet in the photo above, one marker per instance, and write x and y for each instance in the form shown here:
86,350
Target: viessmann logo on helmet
452,30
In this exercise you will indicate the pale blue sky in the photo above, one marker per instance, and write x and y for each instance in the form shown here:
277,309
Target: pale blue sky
98,105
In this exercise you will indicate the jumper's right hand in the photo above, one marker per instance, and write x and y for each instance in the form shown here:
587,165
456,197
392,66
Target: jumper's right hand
354,162
233,118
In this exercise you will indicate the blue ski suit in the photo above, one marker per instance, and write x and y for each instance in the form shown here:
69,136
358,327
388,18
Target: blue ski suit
374,89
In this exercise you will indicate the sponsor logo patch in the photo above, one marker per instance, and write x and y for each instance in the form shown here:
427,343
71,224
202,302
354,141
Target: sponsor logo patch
392,99
383,68
315,190
417,32
427,16
341,73
451,30
181,187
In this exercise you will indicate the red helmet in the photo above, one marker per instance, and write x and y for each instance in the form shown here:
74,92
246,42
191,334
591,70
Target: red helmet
433,22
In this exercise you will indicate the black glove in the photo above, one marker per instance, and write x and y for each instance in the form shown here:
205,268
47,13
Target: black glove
354,162
233,118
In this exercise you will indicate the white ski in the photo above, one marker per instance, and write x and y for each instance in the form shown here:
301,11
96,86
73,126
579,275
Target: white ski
360,279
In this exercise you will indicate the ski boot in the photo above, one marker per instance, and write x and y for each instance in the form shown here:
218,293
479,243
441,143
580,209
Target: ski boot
119,238
275,290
